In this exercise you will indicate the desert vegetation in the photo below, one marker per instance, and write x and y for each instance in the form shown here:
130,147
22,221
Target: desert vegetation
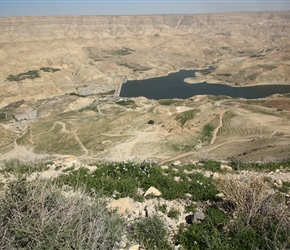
70,210
104,172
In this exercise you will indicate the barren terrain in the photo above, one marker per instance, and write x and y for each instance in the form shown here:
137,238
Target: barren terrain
58,76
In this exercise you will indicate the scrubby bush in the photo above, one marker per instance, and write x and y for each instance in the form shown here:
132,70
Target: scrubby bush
39,215
210,234
151,233
259,220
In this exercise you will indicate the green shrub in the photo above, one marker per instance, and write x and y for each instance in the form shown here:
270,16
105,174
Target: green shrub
48,69
206,235
211,165
168,102
162,208
206,134
37,215
19,168
173,213
186,116
127,177
238,164
127,103
31,74
151,233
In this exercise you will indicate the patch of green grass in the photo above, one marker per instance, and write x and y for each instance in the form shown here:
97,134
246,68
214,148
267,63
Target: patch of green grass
168,102
190,208
267,66
207,165
127,177
121,52
48,69
253,76
256,55
2,116
225,74
127,103
285,187
135,67
162,208
151,233
206,235
207,132
186,116
238,164
205,72
216,232
173,213
18,168
31,74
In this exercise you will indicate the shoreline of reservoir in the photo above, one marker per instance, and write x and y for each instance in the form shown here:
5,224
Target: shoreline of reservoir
175,86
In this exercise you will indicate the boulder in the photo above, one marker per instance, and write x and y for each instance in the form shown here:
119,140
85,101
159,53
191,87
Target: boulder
152,190
196,217
279,182
216,176
123,205
135,247
226,167
176,163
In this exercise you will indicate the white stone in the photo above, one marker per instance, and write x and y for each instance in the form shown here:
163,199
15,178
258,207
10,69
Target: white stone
135,247
226,167
164,167
215,176
279,182
176,163
152,190
123,205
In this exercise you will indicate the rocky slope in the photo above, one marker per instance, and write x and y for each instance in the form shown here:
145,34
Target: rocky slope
89,54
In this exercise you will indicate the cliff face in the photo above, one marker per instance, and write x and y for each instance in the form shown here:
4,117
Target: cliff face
91,53
28,29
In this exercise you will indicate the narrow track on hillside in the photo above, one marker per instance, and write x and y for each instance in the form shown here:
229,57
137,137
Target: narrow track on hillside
221,115
64,130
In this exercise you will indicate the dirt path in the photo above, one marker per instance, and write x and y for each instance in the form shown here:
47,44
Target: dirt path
221,115
76,137
64,130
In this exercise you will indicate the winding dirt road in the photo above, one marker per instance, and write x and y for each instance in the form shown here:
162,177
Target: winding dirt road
221,115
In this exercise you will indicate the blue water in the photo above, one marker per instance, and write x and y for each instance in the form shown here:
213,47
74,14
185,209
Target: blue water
173,86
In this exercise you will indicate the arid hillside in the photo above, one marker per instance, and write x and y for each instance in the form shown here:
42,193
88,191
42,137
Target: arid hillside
43,57
58,76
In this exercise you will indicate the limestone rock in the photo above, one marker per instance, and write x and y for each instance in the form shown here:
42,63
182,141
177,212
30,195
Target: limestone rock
196,217
176,163
152,190
215,176
226,167
199,216
123,205
135,247
279,182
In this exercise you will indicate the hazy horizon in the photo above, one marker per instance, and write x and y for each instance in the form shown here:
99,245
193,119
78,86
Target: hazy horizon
132,7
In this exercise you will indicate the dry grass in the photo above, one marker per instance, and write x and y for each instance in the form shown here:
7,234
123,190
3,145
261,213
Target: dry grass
37,215
249,197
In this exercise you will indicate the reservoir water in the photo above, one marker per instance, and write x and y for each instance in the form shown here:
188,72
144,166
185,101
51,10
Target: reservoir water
173,86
